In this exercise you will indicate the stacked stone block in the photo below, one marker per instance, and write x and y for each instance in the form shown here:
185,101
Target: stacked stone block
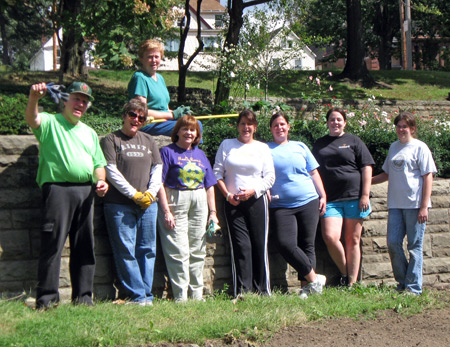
20,212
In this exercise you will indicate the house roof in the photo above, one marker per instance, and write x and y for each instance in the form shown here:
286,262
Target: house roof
211,6
294,35
275,32
208,6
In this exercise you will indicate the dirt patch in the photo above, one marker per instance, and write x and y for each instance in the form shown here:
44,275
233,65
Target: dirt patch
429,328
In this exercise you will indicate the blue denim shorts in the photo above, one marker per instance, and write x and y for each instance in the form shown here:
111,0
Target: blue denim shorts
348,209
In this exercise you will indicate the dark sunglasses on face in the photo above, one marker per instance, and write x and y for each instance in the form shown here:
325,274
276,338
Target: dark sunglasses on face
133,115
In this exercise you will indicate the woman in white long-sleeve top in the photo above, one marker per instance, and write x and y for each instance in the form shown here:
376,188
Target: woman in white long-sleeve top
245,172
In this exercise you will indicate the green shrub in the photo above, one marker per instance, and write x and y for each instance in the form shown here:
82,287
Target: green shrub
12,114
435,132
375,128
214,132
104,116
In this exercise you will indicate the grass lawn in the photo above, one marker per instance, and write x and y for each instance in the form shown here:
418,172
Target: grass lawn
391,85
254,318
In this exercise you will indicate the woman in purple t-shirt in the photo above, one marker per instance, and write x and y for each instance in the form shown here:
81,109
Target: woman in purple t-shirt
184,199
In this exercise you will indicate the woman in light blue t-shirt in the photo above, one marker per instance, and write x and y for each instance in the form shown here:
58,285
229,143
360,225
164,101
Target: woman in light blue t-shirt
298,198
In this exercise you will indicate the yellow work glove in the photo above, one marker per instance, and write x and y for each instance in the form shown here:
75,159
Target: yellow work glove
150,196
144,200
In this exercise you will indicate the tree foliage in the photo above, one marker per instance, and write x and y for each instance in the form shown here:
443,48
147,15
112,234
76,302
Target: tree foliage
355,66
431,22
116,26
265,47
385,17
326,22
119,26
21,38
235,10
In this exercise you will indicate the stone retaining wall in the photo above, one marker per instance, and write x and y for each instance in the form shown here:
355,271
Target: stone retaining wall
436,268
20,211
422,108
198,97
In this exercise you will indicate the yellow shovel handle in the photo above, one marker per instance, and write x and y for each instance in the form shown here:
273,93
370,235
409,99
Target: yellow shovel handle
204,117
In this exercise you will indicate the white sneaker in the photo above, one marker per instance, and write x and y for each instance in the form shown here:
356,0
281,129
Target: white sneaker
320,281
315,287
303,294
199,299
140,303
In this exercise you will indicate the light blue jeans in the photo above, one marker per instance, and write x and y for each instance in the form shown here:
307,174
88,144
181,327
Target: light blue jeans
132,234
403,222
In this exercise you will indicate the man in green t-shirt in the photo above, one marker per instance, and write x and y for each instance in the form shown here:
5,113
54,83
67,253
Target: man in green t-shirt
71,168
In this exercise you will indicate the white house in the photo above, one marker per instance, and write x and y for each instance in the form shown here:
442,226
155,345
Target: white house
212,14
292,52
212,25
43,59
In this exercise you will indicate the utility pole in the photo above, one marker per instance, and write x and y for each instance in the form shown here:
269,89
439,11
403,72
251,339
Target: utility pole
55,51
55,37
408,35
405,25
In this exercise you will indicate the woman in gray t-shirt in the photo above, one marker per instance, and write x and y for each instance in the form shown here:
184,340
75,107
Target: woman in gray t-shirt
409,169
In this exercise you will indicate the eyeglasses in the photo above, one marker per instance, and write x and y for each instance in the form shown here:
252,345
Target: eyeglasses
140,118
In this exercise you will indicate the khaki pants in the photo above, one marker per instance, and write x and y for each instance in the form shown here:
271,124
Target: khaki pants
184,247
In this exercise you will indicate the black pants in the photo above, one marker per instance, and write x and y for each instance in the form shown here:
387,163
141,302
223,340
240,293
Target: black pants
295,233
67,211
248,232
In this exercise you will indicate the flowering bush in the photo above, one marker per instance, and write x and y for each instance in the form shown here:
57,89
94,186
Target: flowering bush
375,128
317,87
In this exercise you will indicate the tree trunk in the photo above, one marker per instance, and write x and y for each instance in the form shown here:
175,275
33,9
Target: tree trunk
182,84
72,55
235,12
73,61
6,59
355,66
386,25
385,55
183,68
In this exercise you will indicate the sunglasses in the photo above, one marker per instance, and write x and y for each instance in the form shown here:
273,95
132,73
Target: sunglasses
140,118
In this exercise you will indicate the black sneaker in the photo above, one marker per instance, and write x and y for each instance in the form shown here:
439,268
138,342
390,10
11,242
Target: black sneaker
343,281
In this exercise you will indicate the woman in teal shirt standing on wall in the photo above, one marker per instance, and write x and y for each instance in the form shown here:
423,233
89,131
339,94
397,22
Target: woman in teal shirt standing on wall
149,86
